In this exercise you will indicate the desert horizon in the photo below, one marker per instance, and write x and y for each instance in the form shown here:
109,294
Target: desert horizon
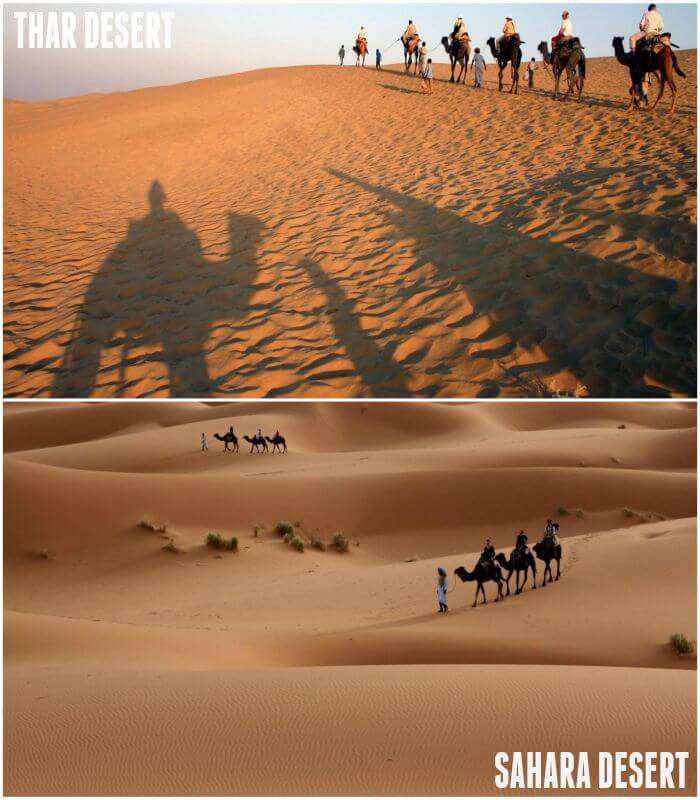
254,235
133,628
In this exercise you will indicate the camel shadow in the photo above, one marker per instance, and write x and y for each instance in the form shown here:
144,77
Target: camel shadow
381,374
398,89
156,298
618,330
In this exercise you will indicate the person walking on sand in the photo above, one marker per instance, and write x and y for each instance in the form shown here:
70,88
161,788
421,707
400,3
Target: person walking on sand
204,443
341,54
479,65
427,82
442,590
531,67
423,57
378,64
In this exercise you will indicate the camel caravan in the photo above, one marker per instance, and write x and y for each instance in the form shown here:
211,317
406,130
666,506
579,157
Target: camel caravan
497,568
650,57
258,442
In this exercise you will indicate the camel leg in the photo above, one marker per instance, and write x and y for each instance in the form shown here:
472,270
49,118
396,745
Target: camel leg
508,583
534,579
558,569
483,594
500,79
476,595
662,86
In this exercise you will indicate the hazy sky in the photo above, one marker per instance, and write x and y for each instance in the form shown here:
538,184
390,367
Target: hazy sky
220,39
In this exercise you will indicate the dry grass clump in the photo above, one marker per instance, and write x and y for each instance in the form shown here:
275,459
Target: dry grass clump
298,544
682,645
151,525
340,542
217,541
283,528
171,547
317,543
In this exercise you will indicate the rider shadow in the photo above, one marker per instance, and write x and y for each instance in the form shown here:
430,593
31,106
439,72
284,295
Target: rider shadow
616,329
156,298
381,374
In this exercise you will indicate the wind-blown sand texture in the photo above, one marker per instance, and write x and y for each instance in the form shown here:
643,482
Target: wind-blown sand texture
333,232
131,669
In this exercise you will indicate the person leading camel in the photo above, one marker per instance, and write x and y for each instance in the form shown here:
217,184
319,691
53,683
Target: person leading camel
509,30
341,54
442,590
651,24
566,31
204,443
427,82
479,64
423,54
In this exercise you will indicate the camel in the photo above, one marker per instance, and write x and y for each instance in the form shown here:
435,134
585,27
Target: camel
570,58
360,50
257,444
410,51
460,52
518,562
547,551
658,59
514,54
229,438
483,572
278,442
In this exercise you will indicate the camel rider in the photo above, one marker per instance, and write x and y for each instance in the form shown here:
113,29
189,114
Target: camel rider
410,33
362,35
566,31
550,532
488,553
509,30
521,542
651,25
459,31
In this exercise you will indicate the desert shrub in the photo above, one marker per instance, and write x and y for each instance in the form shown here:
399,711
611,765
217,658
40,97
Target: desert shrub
171,547
621,427
627,511
232,544
317,543
42,554
152,525
340,542
410,559
288,537
257,530
579,513
298,544
562,511
215,540
283,528
681,644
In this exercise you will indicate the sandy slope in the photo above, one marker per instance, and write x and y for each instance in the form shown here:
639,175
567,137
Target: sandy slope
134,670
333,232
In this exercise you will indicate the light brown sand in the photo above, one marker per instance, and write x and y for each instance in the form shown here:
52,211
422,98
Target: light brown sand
334,233
134,670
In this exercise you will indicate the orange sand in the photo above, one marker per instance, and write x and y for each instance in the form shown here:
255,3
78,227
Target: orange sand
333,232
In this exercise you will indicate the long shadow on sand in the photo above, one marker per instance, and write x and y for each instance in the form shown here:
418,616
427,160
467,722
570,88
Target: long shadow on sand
382,376
156,298
616,329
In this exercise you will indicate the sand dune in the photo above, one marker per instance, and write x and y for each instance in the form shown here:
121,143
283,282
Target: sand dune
137,670
332,232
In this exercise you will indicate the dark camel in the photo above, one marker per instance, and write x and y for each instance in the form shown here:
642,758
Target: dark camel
229,438
511,53
257,444
460,52
518,562
568,58
547,551
410,51
278,442
657,59
360,50
483,572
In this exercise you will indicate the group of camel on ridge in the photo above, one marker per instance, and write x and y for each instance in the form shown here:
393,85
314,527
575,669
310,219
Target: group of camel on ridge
258,442
654,58
519,560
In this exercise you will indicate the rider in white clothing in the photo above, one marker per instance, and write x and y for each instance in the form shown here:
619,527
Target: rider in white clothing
651,24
